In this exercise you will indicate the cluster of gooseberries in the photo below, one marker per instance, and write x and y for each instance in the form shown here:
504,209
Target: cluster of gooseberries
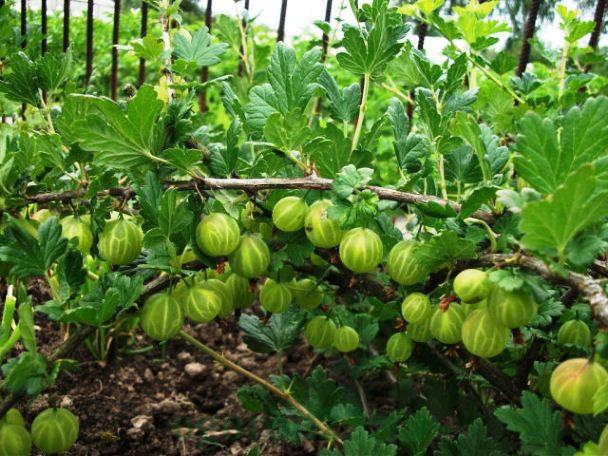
480,318
53,431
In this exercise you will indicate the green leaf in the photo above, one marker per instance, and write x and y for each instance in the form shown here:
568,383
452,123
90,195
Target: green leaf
149,47
418,432
318,392
545,161
475,442
54,68
538,426
173,214
551,224
21,84
343,103
197,50
25,374
479,196
360,442
30,256
71,272
368,50
600,399
277,334
444,250
149,196
224,160
289,132
122,139
331,152
350,179
467,127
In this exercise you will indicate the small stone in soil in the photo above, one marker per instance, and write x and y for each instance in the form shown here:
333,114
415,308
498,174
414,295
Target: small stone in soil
194,369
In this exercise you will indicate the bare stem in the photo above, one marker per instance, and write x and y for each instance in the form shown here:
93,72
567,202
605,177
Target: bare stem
361,116
284,395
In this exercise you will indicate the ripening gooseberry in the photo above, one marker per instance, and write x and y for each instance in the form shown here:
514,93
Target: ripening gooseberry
361,250
14,440
161,317
251,258
574,332
320,332
446,324
512,308
55,430
483,336
574,383
217,234
403,264
322,231
416,307
223,291
420,332
120,242
75,227
306,293
289,213
471,285
200,305
399,347
275,297
346,339
239,287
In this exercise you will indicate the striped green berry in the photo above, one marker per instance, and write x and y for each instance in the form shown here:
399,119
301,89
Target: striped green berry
120,242
574,383
603,443
322,231
275,297
241,294
251,258
420,332
13,416
361,250
416,307
399,347
199,304
512,308
14,440
289,213
75,227
223,291
306,293
574,332
217,234
483,336
55,430
320,332
403,265
162,317
471,285
346,339
446,324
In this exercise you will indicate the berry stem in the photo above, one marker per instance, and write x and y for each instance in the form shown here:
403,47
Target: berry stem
328,433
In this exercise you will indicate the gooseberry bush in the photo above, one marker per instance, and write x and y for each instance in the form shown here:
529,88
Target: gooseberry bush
435,229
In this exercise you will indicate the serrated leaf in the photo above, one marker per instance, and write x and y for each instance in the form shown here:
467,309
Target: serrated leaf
545,161
444,250
343,103
474,201
121,139
198,49
551,224
418,432
277,334
350,179
538,426
475,442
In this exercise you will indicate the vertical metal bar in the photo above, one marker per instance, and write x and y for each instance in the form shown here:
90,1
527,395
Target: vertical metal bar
281,31
144,32
115,36
423,29
23,23
89,58
325,37
66,25
202,98
244,25
524,54
43,26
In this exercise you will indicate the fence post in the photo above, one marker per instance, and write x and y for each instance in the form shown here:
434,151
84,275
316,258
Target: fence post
325,37
244,25
202,97
144,32
43,27
115,36
66,25
524,55
23,41
598,17
89,58
281,31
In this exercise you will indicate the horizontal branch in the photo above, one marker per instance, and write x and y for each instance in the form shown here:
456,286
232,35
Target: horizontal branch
254,185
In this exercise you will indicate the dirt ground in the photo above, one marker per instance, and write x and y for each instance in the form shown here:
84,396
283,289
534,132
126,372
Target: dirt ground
176,403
